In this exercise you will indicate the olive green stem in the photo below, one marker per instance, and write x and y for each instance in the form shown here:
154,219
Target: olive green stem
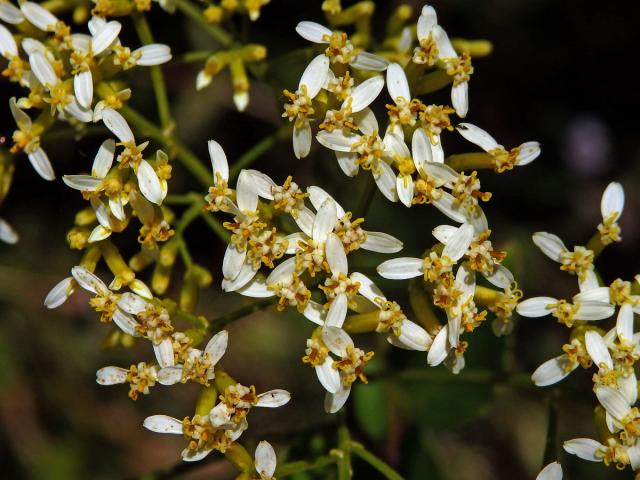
157,79
550,447
344,445
195,14
467,376
375,462
194,57
300,466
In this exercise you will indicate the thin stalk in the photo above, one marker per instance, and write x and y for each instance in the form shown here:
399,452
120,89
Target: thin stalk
157,79
216,226
550,447
375,462
258,150
344,445
194,57
219,323
194,13
294,468
184,253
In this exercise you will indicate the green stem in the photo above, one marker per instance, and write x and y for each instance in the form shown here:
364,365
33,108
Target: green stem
194,57
184,253
344,445
294,468
375,462
216,226
470,161
550,451
188,216
258,150
195,14
157,79
186,199
219,323
199,322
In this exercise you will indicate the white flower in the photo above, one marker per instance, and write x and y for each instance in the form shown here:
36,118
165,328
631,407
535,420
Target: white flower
553,471
265,460
7,233
611,207
340,49
564,311
299,109
27,139
502,159
578,262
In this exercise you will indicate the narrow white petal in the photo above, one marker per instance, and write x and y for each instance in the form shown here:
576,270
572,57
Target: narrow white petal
554,370
401,268
42,69
613,402
243,278
219,163
149,183
273,398
594,311
634,456
315,75
501,276
105,36
313,32
88,280
397,82
246,193
460,99
366,121
443,233
365,93
348,163
39,16
126,323
163,424
381,242
85,183
598,294
444,174
624,323
336,340
328,376
305,220
8,47
421,149
301,140
164,353
370,62
232,262
315,312
336,256
256,288
550,244
612,201
132,303
445,48
10,13
427,20
99,233
527,153
22,119
265,459
189,455
111,375
325,221
536,306
585,448
590,281
438,350
477,136
459,243
153,54
413,336
117,124
83,88
333,402
170,375
385,179
337,311
77,111
104,159
336,140
59,293
553,471
282,272
318,196
597,349
217,346
404,188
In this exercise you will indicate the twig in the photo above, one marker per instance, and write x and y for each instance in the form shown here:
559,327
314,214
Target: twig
377,463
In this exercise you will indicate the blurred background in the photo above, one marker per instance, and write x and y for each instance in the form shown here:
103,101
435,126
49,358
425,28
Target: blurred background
561,74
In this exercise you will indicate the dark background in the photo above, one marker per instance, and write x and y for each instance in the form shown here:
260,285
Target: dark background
561,73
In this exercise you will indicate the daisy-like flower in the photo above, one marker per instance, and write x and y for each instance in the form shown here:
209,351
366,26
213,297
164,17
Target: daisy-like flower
27,139
502,159
553,471
131,156
435,46
611,453
265,461
199,364
299,108
140,377
7,233
556,369
577,262
339,48
219,194
611,207
566,312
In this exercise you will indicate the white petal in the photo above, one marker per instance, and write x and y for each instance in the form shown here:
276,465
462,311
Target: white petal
59,293
305,220
318,196
301,140
132,303
257,288
536,306
42,69
628,387
444,174
111,376
170,375
149,183
401,268
381,242
335,254
413,336
39,16
397,82
243,278
634,456
597,349
313,32
282,272
262,183
613,402
370,62
117,124
438,350
624,323
477,136
445,48
466,281
427,20
421,149
22,119
598,294
337,311
99,233
328,376
315,75
590,281
273,398
77,111
314,312
189,455
265,459
232,262
219,163
459,243
365,93
164,353
336,340
553,471
584,448
404,188
550,244
83,88
10,14
612,201
163,424
217,346
527,153
594,311
8,47
333,402
88,280
348,163
325,221
153,54
336,140
443,233
366,121
103,159
501,276
367,288
552,371
203,79
386,181
246,193
85,183
460,99
125,322
105,36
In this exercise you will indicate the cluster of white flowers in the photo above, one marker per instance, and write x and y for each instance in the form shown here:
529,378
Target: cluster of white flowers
611,353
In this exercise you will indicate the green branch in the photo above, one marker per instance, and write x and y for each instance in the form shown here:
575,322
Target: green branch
195,14
344,445
294,468
375,462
